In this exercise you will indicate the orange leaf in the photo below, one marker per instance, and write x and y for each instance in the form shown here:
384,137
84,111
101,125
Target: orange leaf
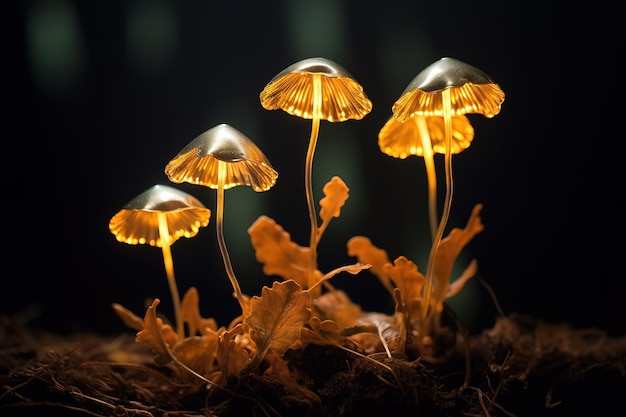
363,249
278,253
198,353
190,313
276,318
152,337
234,351
129,318
327,331
336,193
449,250
337,306
409,281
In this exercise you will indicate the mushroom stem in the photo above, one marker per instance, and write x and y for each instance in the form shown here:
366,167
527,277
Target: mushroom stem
447,122
308,175
164,234
219,221
429,162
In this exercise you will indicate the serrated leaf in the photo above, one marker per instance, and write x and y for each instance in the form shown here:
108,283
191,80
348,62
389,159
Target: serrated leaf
336,194
278,254
409,281
277,316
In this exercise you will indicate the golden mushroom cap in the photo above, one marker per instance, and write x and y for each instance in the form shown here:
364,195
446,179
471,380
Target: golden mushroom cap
471,91
223,145
138,221
292,90
402,139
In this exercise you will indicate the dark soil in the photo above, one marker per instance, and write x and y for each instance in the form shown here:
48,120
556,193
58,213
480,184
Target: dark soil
520,367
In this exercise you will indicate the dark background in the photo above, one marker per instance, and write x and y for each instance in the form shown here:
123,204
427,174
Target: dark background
106,93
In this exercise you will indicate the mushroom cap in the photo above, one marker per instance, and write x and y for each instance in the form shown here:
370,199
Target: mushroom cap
471,91
198,162
402,139
292,90
138,221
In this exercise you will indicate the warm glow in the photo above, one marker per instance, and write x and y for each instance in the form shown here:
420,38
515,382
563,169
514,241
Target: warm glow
402,139
198,162
292,91
137,222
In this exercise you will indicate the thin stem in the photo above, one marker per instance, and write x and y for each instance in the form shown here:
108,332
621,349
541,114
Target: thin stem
308,174
429,162
219,221
169,270
447,122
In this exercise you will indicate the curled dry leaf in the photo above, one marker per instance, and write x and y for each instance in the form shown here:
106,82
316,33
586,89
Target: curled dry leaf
278,254
154,335
235,351
277,316
198,353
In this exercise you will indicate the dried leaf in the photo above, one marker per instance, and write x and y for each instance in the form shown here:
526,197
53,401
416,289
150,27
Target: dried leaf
278,253
336,192
459,283
366,252
337,306
198,353
152,336
326,331
279,368
190,313
449,250
276,318
235,351
129,318
409,281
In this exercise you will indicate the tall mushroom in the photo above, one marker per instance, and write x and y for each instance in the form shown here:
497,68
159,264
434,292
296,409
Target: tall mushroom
424,136
316,89
159,217
448,87
222,158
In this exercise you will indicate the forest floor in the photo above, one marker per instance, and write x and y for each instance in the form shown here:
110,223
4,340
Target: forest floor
521,366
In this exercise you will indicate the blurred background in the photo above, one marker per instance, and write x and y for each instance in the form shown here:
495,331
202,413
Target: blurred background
106,93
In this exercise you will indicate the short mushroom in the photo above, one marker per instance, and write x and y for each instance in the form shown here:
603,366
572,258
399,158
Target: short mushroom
316,89
448,87
222,158
159,217
424,136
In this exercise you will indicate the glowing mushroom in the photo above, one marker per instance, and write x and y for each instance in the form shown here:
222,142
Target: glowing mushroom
447,88
159,217
223,158
316,89
424,136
